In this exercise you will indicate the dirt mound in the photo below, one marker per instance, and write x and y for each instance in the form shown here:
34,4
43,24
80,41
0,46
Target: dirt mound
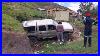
75,35
13,42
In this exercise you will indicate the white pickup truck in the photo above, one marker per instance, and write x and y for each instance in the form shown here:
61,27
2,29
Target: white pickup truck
45,28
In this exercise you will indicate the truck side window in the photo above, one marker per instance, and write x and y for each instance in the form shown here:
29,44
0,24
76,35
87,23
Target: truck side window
30,29
42,28
51,27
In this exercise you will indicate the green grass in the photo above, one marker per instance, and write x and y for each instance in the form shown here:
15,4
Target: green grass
23,11
9,22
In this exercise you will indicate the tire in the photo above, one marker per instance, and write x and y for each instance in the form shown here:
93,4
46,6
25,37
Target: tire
33,40
65,35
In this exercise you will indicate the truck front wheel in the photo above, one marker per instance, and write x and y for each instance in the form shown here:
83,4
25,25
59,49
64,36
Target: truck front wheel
33,40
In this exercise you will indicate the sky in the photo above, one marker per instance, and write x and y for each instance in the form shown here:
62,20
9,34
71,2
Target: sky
72,5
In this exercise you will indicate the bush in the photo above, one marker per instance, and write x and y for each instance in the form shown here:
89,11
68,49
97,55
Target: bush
22,15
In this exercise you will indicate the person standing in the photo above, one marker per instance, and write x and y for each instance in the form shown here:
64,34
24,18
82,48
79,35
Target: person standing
60,31
87,29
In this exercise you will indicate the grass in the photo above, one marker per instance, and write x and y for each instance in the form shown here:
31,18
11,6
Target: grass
73,47
25,9
9,23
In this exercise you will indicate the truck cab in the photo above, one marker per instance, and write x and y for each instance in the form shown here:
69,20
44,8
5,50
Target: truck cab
41,28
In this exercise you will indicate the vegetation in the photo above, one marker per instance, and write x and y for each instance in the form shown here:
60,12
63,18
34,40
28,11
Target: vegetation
88,6
9,23
72,47
22,12
15,13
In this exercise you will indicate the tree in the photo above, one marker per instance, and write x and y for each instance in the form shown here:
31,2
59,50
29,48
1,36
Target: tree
87,6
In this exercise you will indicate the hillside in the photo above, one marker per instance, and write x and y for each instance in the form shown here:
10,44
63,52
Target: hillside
15,39
15,13
9,23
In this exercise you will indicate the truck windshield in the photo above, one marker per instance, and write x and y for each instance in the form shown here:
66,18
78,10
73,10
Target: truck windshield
51,27
42,28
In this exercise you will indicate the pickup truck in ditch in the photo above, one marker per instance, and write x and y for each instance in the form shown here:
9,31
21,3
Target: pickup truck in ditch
46,28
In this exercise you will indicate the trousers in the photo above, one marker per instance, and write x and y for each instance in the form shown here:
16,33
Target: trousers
87,39
60,36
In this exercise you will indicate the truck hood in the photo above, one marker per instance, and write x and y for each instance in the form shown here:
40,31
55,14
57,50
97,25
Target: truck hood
67,25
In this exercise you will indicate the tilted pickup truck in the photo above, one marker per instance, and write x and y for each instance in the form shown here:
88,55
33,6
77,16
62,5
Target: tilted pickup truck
46,28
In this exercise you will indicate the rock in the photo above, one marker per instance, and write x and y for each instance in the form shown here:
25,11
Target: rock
15,43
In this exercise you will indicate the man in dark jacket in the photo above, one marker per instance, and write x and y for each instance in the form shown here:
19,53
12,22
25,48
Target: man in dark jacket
88,29
60,31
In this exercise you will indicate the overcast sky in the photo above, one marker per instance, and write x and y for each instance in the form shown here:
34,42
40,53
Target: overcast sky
73,5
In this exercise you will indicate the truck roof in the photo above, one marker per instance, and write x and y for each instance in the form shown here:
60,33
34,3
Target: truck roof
39,22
